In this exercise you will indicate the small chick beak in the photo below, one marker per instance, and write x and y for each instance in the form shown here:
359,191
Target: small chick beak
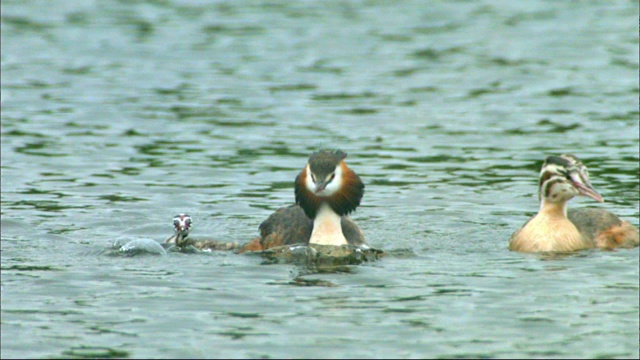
584,187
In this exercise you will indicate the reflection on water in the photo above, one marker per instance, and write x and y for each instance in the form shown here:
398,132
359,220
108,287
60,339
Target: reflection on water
118,115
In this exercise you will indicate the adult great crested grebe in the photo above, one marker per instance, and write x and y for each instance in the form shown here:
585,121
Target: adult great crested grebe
326,191
556,229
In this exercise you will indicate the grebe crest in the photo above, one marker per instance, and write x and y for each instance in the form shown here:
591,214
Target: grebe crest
326,179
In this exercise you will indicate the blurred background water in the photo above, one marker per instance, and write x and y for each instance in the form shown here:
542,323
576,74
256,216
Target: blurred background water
116,115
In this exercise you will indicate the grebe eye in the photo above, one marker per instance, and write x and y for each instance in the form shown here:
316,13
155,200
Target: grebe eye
313,177
332,177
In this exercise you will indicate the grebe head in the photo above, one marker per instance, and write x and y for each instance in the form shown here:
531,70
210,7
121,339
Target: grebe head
326,179
563,177
181,225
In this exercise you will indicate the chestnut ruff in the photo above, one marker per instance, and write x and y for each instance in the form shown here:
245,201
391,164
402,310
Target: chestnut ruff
344,201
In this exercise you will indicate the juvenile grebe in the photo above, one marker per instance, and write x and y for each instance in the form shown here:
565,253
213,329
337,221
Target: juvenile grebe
182,225
556,229
326,191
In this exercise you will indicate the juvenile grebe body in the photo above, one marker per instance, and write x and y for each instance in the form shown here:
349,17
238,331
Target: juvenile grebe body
554,228
326,191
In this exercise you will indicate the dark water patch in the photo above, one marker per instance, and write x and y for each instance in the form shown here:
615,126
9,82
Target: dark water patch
432,54
25,24
393,37
30,268
502,61
142,29
410,298
102,330
292,87
468,355
77,18
320,66
219,29
440,159
397,167
401,253
493,88
40,148
244,315
436,28
543,126
622,62
240,333
425,89
42,311
169,147
16,132
39,191
130,171
358,111
184,112
409,71
241,123
279,185
517,19
115,198
77,70
535,319
565,91
131,132
343,96
230,101
95,352
86,125
633,115
35,84
44,205
633,287
274,149
400,310
423,324
180,92
386,182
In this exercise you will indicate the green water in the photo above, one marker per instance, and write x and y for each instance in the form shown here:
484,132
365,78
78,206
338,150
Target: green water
116,115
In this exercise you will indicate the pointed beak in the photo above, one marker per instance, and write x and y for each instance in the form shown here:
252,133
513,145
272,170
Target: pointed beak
320,185
584,187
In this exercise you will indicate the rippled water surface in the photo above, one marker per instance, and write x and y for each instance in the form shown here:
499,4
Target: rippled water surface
116,115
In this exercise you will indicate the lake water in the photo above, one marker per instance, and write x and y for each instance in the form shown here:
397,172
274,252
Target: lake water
116,115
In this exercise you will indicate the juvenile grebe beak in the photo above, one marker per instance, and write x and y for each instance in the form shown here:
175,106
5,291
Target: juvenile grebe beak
580,181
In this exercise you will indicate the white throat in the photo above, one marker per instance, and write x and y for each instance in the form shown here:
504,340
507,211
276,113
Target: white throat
327,228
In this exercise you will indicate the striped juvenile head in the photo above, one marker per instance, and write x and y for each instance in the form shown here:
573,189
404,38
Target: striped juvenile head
563,177
182,225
